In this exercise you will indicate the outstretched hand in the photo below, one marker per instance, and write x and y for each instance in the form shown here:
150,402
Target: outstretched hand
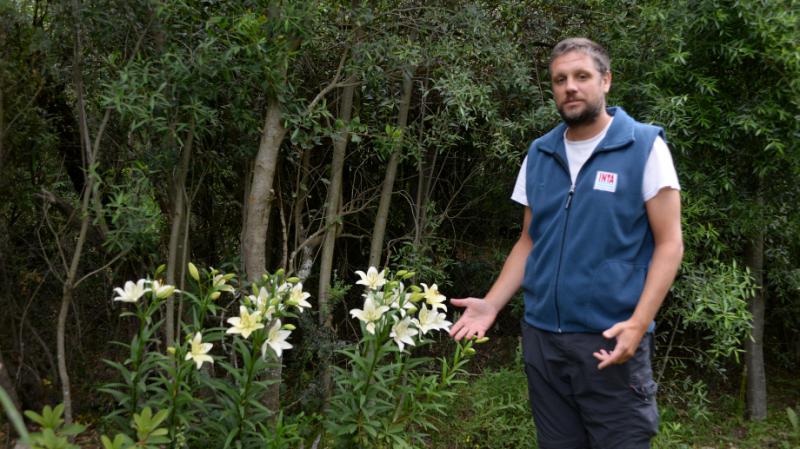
629,335
478,316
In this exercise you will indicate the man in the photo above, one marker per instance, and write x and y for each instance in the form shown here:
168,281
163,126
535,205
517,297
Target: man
600,246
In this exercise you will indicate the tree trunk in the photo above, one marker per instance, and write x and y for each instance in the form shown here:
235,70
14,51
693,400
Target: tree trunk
332,206
379,230
260,197
8,384
90,155
175,258
754,357
2,129
256,223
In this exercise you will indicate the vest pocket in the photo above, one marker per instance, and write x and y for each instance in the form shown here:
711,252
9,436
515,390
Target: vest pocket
616,287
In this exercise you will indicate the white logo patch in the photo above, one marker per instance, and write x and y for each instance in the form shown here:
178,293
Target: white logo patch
605,181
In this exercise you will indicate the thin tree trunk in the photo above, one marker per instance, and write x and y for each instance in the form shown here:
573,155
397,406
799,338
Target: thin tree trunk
260,199
379,230
754,357
332,206
176,235
90,156
298,210
2,129
8,384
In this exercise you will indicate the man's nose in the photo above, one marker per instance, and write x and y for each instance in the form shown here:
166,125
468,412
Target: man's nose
570,85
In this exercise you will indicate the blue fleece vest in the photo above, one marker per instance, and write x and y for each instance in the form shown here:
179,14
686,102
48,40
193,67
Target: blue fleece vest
592,242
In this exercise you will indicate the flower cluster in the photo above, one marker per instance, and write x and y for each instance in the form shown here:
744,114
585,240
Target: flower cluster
274,298
270,301
411,312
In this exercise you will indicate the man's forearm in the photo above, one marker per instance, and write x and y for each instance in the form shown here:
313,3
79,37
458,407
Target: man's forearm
511,276
663,268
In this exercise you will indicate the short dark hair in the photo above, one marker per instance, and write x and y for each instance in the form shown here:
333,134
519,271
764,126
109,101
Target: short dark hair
599,54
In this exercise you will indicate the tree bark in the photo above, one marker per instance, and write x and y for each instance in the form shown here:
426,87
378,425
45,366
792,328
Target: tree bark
332,204
381,216
754,356
177,234
260,198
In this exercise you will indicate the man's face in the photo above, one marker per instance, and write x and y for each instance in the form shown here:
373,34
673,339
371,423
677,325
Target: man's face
579,88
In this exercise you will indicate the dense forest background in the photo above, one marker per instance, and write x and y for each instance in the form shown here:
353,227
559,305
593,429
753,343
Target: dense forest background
324,137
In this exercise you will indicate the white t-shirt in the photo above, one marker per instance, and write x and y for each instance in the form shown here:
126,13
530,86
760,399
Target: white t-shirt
659,171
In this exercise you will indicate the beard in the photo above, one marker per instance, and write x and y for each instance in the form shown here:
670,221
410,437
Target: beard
588,115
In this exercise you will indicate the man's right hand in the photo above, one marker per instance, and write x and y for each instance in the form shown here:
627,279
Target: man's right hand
478,316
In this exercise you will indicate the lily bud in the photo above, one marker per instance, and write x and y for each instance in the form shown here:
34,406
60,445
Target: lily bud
469,351
289,327
159,270
171,350
193,272
165,291
293,280
215,295
481,340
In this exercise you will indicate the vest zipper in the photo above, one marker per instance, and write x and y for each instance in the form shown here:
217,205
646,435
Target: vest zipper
561,253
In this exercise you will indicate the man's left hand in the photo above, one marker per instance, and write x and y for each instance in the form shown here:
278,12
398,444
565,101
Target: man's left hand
628,334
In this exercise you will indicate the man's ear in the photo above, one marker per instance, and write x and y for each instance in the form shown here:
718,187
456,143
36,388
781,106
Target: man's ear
606,80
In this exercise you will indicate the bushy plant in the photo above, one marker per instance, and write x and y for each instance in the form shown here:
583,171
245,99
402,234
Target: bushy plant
208,400
386,395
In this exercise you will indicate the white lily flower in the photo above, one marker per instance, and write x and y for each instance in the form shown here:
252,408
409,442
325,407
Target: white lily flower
162,290
401,300
433,297
371,313
219,283
372,279
132,292
276,339
402,333
429,319
199,351
297,297
262,303
246,323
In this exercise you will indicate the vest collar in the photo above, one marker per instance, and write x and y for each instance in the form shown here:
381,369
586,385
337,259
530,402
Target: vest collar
619,134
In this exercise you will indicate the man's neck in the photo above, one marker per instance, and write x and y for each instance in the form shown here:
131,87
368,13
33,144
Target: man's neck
588,130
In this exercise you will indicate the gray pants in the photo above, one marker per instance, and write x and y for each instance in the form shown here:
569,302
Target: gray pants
577,406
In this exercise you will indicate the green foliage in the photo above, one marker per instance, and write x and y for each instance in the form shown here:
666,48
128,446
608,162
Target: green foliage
54,434
714,299
793,421
491,411
133,214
